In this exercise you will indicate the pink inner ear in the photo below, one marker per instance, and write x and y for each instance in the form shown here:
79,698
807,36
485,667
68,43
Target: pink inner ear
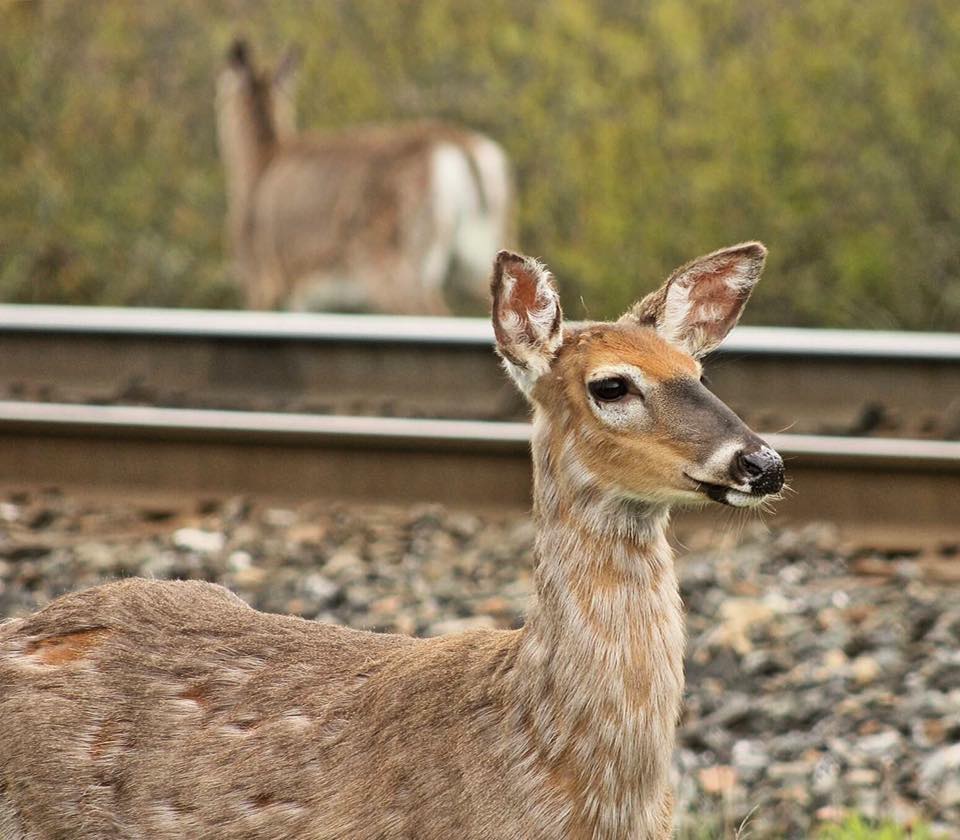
524,297
526,311
718,295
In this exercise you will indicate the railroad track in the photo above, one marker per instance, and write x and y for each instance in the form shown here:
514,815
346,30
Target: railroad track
812,381
292,406
898,484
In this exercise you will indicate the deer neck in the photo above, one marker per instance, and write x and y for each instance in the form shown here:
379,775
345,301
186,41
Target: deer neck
247,143
602,651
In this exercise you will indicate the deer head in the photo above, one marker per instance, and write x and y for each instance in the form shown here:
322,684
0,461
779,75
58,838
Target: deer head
620,408
263,102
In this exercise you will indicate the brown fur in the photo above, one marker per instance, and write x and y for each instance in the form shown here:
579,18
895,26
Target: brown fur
67,647
239,724
644,463
146,709
610,344
358,219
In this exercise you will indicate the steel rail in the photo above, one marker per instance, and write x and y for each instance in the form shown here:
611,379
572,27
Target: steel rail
399,329
811,381
907,483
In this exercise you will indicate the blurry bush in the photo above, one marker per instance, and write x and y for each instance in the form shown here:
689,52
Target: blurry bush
642,133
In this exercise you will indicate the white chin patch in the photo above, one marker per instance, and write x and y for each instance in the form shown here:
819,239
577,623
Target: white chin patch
739,499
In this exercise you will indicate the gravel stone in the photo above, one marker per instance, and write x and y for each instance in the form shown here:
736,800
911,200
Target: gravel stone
817,682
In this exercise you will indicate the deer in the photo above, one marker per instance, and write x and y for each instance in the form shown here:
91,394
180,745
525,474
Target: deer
172,709
400,219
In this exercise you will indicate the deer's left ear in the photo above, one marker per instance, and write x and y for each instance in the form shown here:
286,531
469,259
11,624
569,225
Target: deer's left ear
702,301
527,319
284,88
289,65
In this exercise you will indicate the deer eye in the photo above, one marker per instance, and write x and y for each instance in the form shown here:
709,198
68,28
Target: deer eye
610,389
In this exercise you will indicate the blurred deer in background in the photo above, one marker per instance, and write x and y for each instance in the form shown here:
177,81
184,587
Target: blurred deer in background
172,710
396,218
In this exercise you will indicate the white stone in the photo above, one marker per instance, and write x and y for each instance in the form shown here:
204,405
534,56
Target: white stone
195,539
319,586
239,560
881,744
939,763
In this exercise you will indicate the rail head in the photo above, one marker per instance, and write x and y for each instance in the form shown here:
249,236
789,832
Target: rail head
448,332
67,419
57,419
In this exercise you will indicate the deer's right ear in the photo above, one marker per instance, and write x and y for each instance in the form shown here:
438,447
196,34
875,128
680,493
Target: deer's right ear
527,319
238,55
701,301
288,66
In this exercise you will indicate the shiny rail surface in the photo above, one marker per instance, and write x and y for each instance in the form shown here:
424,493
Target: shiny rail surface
811,381
866,481
284,326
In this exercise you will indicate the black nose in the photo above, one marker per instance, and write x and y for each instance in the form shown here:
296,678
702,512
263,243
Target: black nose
761,468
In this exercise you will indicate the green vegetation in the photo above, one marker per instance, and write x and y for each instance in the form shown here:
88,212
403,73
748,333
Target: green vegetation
642,134
716,827
857,828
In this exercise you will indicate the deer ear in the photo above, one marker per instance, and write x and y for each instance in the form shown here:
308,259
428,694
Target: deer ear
238,55
283,84
702,301
288,65
527,319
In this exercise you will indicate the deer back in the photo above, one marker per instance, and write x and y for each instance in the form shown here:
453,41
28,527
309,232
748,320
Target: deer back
375,218
172,709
